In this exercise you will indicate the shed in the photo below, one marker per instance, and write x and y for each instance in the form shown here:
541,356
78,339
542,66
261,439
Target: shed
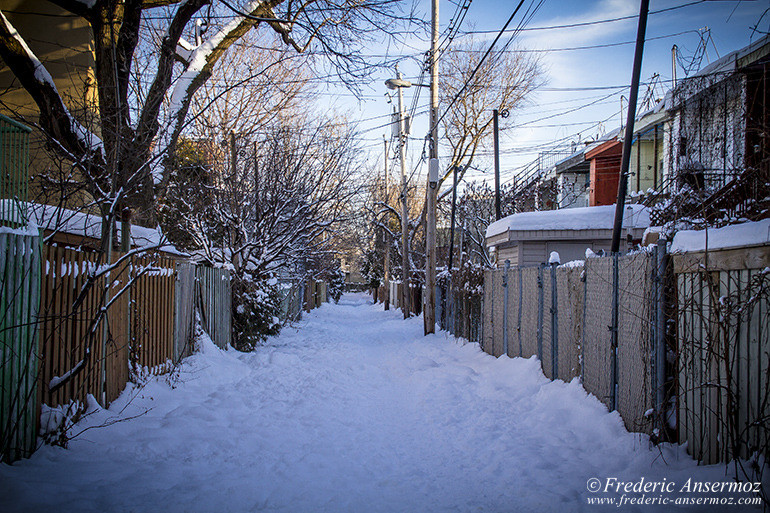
605,172
527,239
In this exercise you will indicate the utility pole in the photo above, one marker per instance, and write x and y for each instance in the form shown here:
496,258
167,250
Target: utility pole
406,296
673,66
629,131
498,213
429,310
387,233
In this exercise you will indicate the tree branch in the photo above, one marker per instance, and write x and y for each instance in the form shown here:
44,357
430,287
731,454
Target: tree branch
55,118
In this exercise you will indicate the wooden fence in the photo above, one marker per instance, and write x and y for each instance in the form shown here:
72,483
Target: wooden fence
152,313
723,346
148,323
316,294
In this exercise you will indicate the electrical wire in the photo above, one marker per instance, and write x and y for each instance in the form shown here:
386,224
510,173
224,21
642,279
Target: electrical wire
478,66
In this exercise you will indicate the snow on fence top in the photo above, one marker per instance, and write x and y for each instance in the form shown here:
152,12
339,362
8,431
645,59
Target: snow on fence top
733,236
583,218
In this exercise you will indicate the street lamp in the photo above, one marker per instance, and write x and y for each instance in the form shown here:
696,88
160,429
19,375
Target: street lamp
433,171
398,84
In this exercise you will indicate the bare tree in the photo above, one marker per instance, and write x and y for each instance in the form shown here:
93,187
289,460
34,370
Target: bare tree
117,153
275,212
503,81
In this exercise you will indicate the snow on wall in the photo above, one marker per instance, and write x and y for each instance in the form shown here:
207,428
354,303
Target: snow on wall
733,236
83,224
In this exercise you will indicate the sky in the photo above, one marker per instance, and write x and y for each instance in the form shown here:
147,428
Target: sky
581,97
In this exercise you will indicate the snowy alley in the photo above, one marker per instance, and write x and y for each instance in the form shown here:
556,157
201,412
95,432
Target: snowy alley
351,411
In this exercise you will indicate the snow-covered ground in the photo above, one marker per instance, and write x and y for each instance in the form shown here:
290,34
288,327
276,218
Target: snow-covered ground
354,411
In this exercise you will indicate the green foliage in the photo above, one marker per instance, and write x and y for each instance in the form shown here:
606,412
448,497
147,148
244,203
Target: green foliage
372,268
336,280
256,306
184,192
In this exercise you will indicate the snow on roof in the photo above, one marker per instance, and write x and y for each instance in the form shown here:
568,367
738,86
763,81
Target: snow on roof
88,225
738,235
584,218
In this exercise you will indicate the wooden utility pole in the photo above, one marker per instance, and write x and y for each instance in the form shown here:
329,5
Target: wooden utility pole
629,132
386,278
429,310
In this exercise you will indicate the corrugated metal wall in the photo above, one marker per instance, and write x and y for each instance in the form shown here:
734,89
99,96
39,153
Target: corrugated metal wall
215,304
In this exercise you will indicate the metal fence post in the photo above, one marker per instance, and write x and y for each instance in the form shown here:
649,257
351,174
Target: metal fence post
540,313
584,279
505,307
554,325
660,329
518,325
614,333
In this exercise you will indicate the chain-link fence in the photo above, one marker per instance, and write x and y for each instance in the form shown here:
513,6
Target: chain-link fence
563,315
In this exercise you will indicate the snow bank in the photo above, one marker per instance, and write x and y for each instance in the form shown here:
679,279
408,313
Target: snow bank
583,218
733,236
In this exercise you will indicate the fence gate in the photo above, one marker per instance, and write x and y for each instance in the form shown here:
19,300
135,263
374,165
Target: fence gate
184,311
214,299
19,303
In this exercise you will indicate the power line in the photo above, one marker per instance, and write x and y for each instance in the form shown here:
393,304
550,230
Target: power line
589,23
481,61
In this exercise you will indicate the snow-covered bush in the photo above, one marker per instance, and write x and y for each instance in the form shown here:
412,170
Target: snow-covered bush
372,268
469,278
336,280
256,306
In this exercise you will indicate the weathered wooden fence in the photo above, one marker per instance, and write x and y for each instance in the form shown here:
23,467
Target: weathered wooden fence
19,304
459,312
152,314
215,303
723,339
396,297
316,294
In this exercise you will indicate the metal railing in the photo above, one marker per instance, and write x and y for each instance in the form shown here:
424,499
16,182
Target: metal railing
14,171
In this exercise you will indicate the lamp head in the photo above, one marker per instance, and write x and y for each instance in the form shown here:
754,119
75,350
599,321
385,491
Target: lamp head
395,83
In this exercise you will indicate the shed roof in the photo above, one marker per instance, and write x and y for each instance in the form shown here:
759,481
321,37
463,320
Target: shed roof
612,146
755,233
583,218
83,224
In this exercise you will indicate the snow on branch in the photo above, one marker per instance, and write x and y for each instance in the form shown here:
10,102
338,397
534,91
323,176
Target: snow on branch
203,58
